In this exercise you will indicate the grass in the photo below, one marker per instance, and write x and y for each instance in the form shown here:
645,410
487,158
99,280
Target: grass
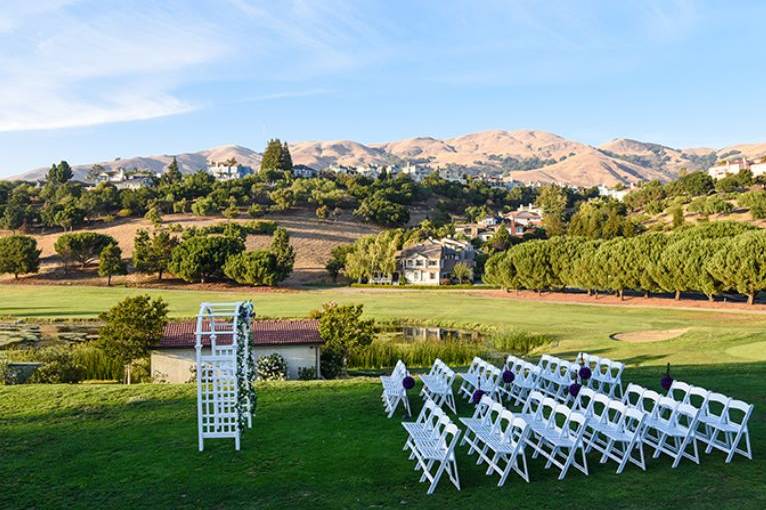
318,445
714,336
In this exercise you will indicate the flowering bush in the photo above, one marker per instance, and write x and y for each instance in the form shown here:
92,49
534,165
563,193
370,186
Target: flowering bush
271,368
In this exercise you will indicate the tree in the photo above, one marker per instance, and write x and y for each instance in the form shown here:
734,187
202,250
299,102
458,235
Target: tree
553,201
19,255
172,174
82,247
648,250
377,209
462,272
563,254
252,268
616,259
283,252
586,274
204,206
684,262
343,329
285,159
500,240
373,255
110,263
154,216
272,156
202,258
131,327
337,262
60,174
533,265
678,216
755,201
740,264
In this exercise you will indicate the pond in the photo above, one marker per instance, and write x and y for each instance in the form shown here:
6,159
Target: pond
20,334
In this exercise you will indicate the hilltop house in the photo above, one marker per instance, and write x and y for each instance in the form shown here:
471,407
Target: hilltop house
228,170
431,262
734,165
298,341
304,172
122,179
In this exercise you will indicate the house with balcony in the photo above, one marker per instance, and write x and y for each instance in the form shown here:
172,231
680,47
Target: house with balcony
228,170
431,262
304,172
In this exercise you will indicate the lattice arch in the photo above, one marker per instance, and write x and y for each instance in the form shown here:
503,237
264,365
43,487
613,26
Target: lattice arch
225,394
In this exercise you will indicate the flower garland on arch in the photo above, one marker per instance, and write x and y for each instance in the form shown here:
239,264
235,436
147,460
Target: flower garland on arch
246,397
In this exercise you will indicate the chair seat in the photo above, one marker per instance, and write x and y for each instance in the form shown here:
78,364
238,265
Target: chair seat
555,438
496,442
669,429
431,448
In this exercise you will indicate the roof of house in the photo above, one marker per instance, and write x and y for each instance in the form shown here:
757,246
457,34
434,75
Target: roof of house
426,249
264,332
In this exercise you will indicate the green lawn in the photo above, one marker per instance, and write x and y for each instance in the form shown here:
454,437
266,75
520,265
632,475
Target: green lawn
713,337
318,445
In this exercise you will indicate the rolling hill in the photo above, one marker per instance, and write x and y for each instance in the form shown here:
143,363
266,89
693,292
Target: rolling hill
526,155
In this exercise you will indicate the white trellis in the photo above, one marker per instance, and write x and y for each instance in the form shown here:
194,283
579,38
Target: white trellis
225,398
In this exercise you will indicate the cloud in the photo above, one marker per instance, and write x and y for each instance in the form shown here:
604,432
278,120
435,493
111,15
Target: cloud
61,69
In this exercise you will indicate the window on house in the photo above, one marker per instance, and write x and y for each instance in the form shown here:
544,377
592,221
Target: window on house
419,263
432,263
432,276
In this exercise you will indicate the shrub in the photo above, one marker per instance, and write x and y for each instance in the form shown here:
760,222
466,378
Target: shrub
125,213
98,366
59,365
8,374
204,206
272,367
331,363
383,353
82,247
307,373
256,210
252,268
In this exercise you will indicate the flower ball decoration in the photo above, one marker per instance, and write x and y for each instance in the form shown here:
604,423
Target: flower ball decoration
667,380
574,389
476,397
408,382
585,373
508,377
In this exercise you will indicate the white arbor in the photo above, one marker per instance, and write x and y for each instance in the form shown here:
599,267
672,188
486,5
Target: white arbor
225,394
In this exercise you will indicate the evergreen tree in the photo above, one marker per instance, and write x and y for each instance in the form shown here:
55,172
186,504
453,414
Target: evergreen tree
586,274
741,264
616,259
284,253
678,216
272,156
110,263
60,174
172,174
500,240
533,266
285,159
19,255
153,254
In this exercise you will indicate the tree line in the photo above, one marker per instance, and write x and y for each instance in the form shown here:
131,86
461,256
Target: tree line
198,255
710,258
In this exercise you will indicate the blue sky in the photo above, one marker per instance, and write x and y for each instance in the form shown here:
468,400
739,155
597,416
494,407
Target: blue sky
93,80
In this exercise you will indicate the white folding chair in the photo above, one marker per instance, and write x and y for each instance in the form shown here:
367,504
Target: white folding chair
424,425
526,380
470,378
679,391
674,425
617,433
394,392
437,385
439,452
503,446
731,423
561,443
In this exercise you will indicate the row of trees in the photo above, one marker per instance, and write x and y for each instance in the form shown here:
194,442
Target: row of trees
710,259
198,256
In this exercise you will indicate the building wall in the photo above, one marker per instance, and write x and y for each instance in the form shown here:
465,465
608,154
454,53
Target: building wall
175,365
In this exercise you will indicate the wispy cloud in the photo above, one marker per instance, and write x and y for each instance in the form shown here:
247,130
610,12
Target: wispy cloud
60,69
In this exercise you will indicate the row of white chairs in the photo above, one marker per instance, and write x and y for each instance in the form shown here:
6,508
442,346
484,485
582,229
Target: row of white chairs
394,392
692,413
480,375
525,375
555,376
437,385
431,440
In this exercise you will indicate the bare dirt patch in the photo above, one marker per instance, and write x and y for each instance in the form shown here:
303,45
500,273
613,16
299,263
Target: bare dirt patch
649,336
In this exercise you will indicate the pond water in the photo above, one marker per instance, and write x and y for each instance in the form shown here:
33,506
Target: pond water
25,334
408,333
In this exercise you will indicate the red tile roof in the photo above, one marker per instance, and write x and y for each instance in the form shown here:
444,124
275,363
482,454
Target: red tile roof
265,332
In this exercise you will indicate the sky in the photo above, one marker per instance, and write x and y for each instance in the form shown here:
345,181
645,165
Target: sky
87,81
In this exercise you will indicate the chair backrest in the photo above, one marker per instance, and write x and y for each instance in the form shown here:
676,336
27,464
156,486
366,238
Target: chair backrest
599,407
649,400
633,422
491,377
678,391
614,371
615,413
449,437
686,415
427,410
482,408
510,362
584,401
632,395
548,409
716,406
738,413
534,403
518,431
575,425
697,397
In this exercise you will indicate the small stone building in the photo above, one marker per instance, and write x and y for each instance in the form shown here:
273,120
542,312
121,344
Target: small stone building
298,341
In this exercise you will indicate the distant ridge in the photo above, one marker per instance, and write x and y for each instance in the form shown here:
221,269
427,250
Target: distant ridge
526,155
